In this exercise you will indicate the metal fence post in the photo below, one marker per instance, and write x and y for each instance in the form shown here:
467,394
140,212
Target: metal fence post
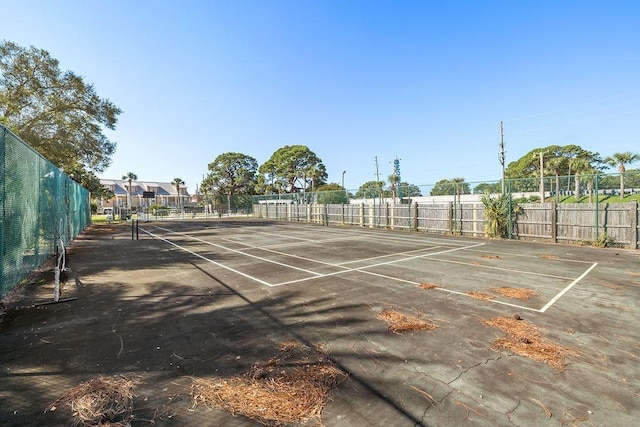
634,225
597,210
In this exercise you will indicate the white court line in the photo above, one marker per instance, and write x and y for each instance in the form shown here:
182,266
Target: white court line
565,290
315,275
284,236
339,265
293,267
522,307
390,255
415,238
289,244
490,267
363,269
537,257
206,259
375,265
330,264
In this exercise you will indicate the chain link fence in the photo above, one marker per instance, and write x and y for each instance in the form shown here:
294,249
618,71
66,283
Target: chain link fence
42,210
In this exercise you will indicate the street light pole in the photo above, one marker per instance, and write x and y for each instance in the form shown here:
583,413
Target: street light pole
343,172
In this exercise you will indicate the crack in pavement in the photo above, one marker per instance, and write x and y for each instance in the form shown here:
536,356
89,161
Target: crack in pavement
474,366
510,411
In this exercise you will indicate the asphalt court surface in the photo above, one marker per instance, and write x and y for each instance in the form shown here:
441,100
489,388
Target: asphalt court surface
209,299
285,254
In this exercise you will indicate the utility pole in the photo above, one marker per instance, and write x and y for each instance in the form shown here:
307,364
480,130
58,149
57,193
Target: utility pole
541,154
541,177
345,190
502,155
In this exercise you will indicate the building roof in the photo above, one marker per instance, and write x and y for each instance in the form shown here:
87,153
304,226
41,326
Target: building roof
120,187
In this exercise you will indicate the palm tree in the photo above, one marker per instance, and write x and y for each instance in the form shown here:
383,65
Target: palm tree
554,166
620,160
177,182
394,181
130,176
500,215
581,166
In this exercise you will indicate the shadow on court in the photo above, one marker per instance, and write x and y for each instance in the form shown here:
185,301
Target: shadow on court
150,309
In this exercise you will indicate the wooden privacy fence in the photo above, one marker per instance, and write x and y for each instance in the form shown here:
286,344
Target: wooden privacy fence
560,223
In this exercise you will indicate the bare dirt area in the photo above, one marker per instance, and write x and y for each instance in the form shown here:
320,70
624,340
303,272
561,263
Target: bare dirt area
178,330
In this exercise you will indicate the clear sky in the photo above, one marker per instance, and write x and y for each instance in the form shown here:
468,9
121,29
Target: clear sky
425,81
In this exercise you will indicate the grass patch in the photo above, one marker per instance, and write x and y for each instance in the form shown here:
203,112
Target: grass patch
601,199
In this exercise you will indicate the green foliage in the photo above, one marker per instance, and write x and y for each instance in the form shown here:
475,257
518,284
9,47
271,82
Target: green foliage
232,173
500,215
370,190
621,160
410,190
159,210
450,187
332,186
603,241
601,199
485,187
56,112
557,160
91,182
337,197
294,168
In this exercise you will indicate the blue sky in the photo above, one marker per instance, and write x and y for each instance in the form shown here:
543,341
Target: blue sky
425,81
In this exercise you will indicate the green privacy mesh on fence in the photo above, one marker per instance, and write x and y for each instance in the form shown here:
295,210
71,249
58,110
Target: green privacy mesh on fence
42,209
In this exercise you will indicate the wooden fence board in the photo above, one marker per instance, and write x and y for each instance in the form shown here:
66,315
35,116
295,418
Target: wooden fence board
563,222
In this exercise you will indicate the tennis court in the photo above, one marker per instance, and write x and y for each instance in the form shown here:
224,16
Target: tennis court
211,299
299,255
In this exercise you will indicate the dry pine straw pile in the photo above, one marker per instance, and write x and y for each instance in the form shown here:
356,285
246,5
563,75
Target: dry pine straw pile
101,401
479,295
521,294
427,285
399,323
524,339
291,387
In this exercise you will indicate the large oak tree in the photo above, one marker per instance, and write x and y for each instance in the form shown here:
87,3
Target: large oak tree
294,168
450,187
55,111
232,174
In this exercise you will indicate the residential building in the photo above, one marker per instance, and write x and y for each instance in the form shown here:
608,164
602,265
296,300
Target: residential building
164,194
